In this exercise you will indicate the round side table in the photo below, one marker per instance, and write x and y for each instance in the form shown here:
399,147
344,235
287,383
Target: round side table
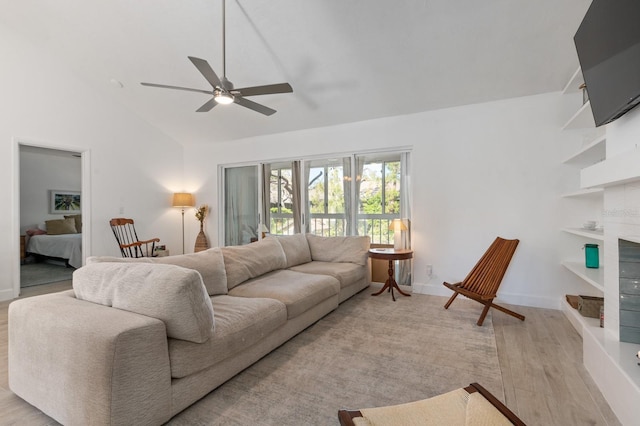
391,255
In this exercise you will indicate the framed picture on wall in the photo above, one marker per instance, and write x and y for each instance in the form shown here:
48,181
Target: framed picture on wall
64,201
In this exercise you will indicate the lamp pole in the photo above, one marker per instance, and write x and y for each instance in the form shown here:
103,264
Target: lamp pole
182,200
183,230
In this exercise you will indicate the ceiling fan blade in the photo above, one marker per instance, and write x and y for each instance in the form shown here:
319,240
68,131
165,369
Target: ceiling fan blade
254,106
208,106
264,90
164,86
206,70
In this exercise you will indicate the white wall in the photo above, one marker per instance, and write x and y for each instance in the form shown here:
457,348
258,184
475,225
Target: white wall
133,166
41,172
479,171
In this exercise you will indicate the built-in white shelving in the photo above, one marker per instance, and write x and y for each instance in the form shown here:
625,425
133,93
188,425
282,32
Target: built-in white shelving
585,193
577,320
591,153
582,119
573,86
594,276
588,233
613,171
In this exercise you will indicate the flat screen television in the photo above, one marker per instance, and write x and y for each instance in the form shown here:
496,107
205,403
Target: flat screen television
608,46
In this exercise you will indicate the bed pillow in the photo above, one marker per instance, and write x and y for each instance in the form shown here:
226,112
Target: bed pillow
170,293
61,226
78,220
36,231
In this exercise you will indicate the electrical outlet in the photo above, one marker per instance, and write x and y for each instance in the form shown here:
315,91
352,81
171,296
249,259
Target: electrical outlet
429,272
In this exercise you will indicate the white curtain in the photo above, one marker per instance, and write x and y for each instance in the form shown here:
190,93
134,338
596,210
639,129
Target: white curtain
297,196
405,268
241,205
265,208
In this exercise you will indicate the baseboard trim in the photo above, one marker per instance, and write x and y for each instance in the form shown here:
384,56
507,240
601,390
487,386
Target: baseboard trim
508,298
6,294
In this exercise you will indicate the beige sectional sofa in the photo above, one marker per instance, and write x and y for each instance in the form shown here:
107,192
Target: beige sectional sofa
137,341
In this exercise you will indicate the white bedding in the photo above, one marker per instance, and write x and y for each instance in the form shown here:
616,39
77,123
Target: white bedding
66,246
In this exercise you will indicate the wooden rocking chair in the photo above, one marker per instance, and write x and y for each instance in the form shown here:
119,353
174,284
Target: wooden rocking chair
484,279
127,238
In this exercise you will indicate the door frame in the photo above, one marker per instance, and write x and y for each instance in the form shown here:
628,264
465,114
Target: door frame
85,160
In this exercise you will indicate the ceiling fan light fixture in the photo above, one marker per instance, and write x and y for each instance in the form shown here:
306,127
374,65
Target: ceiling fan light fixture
223,98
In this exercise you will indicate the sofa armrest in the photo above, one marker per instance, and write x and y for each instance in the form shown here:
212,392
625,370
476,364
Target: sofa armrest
83,363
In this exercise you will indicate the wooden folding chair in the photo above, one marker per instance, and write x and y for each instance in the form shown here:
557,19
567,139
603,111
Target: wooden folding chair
484,279
127,238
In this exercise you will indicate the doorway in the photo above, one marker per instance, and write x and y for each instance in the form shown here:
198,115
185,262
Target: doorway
51,201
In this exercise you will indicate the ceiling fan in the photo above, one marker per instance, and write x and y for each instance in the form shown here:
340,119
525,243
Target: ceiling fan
223,91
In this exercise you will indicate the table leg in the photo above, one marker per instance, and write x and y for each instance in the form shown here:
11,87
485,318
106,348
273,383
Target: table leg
390,284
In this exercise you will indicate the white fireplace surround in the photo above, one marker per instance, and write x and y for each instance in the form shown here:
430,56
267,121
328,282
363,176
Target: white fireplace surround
612,364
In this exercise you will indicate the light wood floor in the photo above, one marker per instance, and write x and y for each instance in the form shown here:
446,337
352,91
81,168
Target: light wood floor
540,360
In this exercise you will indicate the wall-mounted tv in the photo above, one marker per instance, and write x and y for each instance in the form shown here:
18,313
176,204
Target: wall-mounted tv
608,46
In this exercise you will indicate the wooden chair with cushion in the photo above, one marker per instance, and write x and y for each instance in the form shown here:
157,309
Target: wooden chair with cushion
484,279
470,406
127,238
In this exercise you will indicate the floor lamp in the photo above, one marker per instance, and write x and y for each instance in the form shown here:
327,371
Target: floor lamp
183,200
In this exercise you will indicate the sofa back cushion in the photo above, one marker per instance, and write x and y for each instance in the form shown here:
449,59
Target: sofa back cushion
209,263
172,294
339,249
252,260
296,249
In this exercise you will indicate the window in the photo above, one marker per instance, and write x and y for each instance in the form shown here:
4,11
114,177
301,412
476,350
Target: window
359,194
379,196
281,197
326,199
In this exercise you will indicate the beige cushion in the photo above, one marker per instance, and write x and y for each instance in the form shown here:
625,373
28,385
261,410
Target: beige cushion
298,291
346,273
252,260
452,408
240,323
209,263
61,226
78,221
169,293
339,249
296,249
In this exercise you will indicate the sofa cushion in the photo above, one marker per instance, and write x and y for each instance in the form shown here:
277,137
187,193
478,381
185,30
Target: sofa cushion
252,260
298,291
169,293
240,322
339,249
296,249
346,273
209,263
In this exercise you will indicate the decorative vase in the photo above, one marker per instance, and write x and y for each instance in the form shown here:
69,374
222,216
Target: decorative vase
201,241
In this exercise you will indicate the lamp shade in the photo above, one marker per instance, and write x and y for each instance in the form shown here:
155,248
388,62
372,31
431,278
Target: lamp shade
397,225
183,199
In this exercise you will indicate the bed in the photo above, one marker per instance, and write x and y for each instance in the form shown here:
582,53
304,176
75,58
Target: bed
65,246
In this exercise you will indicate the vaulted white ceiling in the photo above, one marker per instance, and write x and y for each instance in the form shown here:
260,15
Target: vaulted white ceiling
347,60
